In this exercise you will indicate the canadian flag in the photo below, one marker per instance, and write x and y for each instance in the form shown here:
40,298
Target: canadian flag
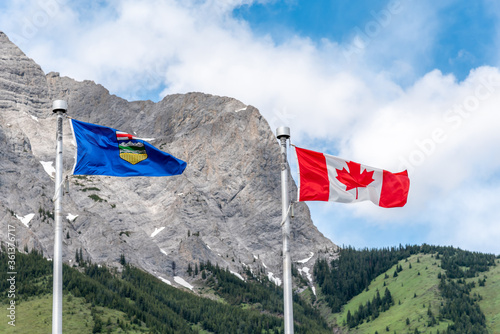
323,177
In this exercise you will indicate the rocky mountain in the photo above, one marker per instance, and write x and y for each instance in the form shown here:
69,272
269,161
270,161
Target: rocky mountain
225,207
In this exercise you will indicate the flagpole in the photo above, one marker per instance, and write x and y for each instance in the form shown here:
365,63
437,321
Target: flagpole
283,134
59,107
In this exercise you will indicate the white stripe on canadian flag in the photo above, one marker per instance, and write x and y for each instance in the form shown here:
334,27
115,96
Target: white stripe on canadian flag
324,177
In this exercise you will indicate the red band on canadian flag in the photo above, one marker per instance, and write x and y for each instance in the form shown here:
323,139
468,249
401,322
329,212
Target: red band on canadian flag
313,182
323,177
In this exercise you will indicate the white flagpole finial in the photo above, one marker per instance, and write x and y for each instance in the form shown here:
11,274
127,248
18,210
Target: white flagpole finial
59,105
283,131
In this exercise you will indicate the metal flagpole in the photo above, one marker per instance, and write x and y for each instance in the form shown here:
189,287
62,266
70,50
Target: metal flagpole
59,107
283,133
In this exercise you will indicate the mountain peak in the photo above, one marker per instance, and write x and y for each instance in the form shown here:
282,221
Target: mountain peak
22,81
225,208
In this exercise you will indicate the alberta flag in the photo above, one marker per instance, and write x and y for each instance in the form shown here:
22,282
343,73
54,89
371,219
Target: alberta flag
106,151
324,177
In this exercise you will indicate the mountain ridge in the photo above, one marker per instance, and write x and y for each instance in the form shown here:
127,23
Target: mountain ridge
225,208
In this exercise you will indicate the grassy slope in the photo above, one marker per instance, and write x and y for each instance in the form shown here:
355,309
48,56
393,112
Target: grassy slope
425,286
490,305
34,316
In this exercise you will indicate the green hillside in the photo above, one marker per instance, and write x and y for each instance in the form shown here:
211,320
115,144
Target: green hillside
412,289
490,297
416,296
35,316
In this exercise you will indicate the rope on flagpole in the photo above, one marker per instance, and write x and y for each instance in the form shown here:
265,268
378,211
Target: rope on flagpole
287,212
65,179
66,174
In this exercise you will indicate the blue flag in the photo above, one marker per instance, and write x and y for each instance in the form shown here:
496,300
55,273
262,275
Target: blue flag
106,151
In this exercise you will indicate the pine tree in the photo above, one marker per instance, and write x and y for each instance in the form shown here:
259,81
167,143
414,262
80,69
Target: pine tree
349,319
122,259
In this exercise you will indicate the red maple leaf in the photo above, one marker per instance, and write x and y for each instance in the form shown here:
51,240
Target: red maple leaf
354,178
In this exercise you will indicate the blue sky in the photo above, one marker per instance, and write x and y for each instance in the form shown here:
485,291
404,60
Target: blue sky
400,84
464,40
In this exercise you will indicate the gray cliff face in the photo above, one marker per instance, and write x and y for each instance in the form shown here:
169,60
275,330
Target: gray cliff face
225,207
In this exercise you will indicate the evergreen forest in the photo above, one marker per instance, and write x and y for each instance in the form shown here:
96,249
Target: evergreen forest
107,300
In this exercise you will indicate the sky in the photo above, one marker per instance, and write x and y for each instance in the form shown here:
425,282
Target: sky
399,84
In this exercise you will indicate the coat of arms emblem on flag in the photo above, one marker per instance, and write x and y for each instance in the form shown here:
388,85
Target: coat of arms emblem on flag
130,151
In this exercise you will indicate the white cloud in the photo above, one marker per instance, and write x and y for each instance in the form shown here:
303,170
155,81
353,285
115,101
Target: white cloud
467,217
356,107
445,132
